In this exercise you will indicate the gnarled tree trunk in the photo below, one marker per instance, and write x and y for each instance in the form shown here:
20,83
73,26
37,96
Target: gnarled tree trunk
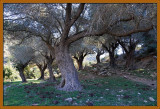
69,73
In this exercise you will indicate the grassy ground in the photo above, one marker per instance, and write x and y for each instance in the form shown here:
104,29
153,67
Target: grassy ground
102,91
145,73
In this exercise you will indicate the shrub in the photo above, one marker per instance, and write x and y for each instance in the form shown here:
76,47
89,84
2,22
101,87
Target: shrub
10,73
7,72
28,73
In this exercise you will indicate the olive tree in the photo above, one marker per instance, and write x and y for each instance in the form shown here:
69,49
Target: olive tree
22,56
43,57
95,46
79,50
55,23
41,64
110,44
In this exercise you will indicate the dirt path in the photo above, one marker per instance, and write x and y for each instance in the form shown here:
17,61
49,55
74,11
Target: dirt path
145,81
141,80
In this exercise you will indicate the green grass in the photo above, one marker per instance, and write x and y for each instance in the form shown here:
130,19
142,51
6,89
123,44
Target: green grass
109,91
145,73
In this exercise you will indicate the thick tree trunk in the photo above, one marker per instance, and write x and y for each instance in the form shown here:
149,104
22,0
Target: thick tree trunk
21,72
62,82
52,77
112,60
98,58
69,73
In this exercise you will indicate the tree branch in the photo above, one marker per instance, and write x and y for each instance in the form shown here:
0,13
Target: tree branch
80,10
130,32
123,46
69,22
75,57
68,13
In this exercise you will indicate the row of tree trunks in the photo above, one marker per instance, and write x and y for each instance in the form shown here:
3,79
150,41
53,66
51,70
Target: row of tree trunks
64,61
42,69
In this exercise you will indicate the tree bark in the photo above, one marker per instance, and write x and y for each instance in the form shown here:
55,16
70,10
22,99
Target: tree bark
62,82
129,52
21,72
79,61
42,68
69,73
112,60
111,51
98,58
130,60
52,77
80,66
42,74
